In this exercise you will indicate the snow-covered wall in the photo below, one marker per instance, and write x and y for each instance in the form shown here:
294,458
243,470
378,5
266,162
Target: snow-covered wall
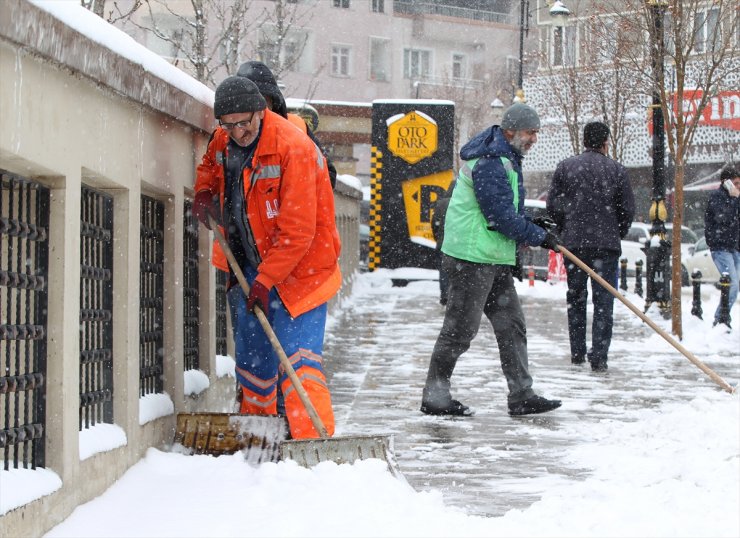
78,108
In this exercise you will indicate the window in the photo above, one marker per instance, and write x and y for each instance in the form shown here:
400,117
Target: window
557,46
293,55
458,66
341,3
416,63
268,51
378,6
380,59
706,30
606,49
340,60
564,46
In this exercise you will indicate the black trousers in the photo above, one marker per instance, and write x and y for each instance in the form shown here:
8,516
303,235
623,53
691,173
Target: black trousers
604,263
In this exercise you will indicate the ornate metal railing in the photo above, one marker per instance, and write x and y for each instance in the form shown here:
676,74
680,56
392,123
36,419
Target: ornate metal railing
191,312
96,308
151,297
24,222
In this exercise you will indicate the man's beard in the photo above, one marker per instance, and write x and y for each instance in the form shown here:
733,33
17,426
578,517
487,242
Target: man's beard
519,143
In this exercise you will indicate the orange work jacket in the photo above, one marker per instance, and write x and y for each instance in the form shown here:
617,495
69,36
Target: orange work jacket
290,209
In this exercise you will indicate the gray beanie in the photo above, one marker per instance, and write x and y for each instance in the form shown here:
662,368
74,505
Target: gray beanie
237,94
519,117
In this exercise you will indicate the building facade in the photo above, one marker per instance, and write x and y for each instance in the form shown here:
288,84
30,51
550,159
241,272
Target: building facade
580,77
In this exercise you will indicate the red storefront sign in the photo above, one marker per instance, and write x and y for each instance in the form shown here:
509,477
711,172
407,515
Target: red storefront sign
722,110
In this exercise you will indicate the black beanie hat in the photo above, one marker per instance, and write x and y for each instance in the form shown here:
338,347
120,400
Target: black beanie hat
729,172
261,75
595,134
237,94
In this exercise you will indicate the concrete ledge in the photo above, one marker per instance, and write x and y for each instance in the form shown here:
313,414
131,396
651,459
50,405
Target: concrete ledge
40,33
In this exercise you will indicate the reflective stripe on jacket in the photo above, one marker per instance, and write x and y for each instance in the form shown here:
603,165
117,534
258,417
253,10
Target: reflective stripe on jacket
290,209
466,232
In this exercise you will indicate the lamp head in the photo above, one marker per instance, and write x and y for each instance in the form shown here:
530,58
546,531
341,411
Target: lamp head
559,13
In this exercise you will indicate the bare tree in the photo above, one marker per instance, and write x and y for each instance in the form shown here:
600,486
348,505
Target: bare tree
114,15
204,37
281,40
697,39
593,84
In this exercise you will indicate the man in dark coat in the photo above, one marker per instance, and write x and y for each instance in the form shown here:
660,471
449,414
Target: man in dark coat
592,204
722,230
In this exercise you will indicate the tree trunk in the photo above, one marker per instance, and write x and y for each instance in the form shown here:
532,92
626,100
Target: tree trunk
676,321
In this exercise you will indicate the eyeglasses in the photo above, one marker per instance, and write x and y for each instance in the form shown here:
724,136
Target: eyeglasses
238,125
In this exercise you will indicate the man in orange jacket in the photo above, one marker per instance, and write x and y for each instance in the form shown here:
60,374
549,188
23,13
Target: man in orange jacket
270,188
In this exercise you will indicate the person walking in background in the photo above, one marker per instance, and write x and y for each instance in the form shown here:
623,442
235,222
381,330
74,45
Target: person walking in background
270,188
484,222
722,229
592,204
438,231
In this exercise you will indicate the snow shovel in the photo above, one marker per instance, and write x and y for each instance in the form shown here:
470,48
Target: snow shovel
309,452
699,364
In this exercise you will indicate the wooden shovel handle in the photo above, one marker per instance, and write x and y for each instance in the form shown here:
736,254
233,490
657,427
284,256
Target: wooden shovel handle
703,367
284,361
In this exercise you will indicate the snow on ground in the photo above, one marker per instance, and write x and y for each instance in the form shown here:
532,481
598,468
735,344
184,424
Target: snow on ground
667,471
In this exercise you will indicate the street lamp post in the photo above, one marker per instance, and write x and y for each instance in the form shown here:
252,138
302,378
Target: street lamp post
558,15
498,109
657,253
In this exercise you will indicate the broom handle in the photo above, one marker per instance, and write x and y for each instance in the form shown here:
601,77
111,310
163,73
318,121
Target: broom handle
284,361
703,367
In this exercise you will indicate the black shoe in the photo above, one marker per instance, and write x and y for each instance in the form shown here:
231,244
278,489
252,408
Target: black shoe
599,366
443,301
532,406
455,409
577,360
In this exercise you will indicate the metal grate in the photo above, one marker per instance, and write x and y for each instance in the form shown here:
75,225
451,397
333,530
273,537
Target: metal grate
96,308
190,289
151,297
24,221
221,280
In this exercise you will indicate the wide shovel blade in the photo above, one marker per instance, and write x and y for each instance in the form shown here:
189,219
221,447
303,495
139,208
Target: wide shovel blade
258,437
310,452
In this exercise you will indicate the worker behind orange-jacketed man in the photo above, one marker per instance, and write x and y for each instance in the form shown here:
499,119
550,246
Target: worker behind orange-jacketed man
270,188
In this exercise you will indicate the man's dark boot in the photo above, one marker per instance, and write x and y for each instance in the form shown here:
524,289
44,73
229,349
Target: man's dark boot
454,408
577,359
599,366
532,406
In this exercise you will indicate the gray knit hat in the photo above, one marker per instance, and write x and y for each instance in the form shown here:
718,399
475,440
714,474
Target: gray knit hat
237,94
519,117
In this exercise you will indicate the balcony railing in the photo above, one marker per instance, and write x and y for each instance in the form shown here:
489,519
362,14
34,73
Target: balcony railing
413,7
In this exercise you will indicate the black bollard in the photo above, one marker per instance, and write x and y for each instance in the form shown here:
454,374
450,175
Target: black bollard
623,274
638,278
696,303
724,300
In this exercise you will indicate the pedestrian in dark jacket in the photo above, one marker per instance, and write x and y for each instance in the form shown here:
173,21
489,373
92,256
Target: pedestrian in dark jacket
261,75
592,204
484,222
722,229
438,231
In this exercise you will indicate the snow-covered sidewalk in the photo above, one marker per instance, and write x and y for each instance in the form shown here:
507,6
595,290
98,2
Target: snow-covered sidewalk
652,448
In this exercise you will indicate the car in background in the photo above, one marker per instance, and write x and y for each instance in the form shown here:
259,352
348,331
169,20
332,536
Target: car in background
701,259
639,236
537,257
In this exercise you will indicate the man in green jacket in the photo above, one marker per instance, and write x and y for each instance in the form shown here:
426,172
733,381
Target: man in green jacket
484,222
